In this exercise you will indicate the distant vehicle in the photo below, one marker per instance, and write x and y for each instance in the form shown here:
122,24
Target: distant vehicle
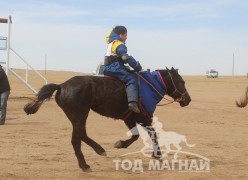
212,74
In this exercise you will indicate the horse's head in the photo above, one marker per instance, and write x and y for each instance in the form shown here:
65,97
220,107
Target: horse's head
175,86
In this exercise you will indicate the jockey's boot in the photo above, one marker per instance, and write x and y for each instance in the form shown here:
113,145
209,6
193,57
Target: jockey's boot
133,106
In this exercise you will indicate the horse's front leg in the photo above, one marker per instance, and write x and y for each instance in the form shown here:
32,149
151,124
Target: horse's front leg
131,124
153,135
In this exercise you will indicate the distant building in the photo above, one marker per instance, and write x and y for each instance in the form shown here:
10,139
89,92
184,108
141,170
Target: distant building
212,74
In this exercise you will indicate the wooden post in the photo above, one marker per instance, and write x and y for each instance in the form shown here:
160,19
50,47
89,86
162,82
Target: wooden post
45,62
233,66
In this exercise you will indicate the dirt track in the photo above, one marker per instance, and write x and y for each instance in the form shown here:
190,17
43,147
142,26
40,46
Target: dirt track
39,147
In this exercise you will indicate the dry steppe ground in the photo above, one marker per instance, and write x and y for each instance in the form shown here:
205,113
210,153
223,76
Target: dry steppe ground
38,146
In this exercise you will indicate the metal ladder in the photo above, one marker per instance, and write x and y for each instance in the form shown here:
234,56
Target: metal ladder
28,66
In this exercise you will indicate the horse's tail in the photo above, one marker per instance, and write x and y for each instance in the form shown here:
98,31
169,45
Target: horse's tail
185,140
243,102
45,93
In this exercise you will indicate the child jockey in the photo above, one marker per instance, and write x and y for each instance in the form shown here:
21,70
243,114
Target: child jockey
115,58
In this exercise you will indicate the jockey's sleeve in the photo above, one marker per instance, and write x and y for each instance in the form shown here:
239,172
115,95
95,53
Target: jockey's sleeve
122,50
134,64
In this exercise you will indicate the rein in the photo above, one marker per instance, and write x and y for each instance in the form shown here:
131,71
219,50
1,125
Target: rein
176,90
182,98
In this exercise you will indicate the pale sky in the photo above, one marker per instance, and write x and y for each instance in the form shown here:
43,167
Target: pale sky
191,35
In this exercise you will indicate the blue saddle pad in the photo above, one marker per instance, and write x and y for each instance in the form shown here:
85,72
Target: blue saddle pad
149,97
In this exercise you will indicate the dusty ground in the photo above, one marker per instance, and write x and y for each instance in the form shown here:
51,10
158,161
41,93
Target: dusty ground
38,146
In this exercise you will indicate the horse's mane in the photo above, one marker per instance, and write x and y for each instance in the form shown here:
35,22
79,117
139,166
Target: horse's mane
172,70
243,101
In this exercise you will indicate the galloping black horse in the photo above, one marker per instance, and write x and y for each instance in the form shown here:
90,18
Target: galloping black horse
107,97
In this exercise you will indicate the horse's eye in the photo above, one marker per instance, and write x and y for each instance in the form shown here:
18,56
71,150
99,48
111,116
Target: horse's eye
181,81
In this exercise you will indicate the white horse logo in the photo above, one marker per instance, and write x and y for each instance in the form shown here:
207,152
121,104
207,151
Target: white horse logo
165,139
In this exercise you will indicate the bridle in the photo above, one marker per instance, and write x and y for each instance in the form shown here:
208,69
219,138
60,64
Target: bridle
182,98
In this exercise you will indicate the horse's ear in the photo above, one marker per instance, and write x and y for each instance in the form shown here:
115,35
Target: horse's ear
166,68
174,69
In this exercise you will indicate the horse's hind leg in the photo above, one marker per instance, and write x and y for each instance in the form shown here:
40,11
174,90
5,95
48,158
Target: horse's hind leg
76,143
78,123
79,134
97,148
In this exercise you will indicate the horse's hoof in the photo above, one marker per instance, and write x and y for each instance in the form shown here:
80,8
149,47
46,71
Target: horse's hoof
86,168
103,154
118,144
158,156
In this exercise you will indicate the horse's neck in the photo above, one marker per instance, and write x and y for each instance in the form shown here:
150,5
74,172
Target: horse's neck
166,78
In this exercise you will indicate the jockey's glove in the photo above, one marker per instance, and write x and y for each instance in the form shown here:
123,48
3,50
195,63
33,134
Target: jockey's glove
138,67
